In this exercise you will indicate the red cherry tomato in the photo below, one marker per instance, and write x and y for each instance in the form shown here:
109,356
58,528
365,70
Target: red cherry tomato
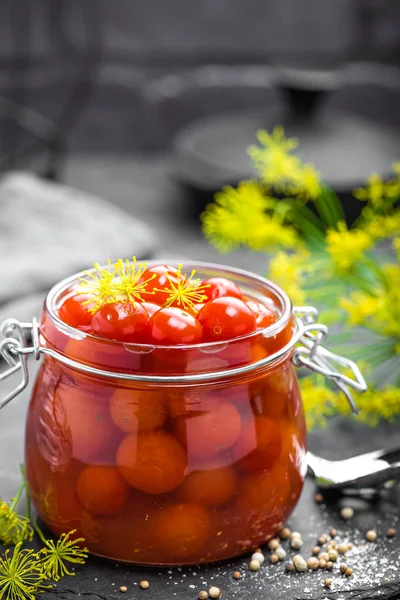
122,321
173,326
160,281
220,287
73,312
264,315
225,319
150,308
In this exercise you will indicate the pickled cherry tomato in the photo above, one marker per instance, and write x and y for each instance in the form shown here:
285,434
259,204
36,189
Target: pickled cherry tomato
73,311
265,494
163,275
150,308
122,321
210,486
153,462
84,423
218,287
101,490
210,433
264,315
171,327
258,446
181,530
225,319
138,410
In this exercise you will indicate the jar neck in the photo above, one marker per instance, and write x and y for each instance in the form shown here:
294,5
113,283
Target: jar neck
87,352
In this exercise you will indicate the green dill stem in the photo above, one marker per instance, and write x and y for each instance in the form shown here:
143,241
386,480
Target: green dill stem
39,532
27,494
18,496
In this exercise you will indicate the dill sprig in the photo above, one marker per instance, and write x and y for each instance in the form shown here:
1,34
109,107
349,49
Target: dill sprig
99,286
14,528
185,292
21,574
128,285
55,555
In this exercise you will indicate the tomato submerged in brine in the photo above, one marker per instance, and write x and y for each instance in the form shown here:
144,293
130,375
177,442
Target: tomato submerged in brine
164,474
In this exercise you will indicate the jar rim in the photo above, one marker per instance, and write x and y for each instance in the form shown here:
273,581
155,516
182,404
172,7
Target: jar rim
268,286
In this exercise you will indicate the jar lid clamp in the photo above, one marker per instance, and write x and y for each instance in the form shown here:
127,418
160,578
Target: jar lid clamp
306,342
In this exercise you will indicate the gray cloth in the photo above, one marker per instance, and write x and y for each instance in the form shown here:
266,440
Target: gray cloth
49,231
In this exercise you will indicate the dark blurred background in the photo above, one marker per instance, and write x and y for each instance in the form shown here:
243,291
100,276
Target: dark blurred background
151,105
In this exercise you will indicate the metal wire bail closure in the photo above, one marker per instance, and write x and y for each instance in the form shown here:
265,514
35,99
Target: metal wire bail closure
306,342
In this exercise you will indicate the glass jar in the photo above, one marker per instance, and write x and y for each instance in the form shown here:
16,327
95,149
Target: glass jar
168,455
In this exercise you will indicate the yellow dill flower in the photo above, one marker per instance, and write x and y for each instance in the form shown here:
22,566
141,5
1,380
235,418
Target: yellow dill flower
277,167
359,306
55,555
379,404
186,292
288,271
347,247
269,232
374,192
382,226
308,183
238,218
99,286
378,310
14,527
21,576
126,285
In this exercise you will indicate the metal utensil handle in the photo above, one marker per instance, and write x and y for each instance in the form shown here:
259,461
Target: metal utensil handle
306,341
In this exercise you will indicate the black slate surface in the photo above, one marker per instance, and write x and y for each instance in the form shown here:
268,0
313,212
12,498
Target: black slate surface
376,566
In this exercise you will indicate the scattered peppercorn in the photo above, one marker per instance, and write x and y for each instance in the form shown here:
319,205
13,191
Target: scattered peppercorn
391,532
284,533
259,557
299,563
349,572
313,563
322,563
329,565
333,555
289,567
295,534
214,592
254,565
324,556
328,583
281,553
342,548
274,558
349,546
203,595
322,539
273,544
318,498
347,513
144,584
343,568
333,532
123,589
236,575
331,546
371,535
296,543
316,550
